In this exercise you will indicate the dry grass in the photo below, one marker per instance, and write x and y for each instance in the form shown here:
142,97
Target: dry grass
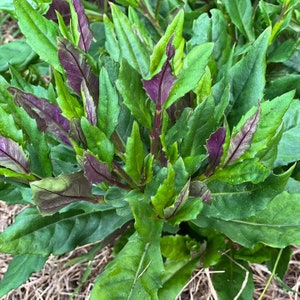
56,281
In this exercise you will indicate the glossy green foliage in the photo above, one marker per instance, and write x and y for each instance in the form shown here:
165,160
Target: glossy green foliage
24,265
171,126
41,33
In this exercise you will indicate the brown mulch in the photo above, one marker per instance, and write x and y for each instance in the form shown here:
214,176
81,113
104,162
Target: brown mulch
57,281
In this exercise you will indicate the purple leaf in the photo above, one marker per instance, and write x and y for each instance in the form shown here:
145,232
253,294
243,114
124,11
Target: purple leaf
159,86
48,116
241,142
90,106
52,194
96,171
12,156
77,69
214,146
62,7
86,35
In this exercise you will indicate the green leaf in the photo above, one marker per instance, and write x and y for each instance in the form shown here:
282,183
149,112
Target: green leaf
178,131
17,80
216,244
108,108
276,226
250,170
131,47
60,233
289,145
175,276
283,51
8,127
178,247
236,275
13,174
40,33
6,99
97,141
272,113
241,14
14,193
136,270
192,70
212,27
281,85
129,80
244,200
134,162
63,159
68,104
19,270
258,254
158,56
248,78
140,28
111,42
200,125
283,263
165,194
189,210
12,56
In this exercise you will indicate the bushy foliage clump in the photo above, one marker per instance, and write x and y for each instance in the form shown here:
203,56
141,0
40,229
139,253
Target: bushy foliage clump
173,125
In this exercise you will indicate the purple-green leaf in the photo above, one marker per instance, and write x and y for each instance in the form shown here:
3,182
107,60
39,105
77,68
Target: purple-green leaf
214,146
89,103
53,193
77,69
12,156
160,85
200,189
48,116
241,142
95,170
85,34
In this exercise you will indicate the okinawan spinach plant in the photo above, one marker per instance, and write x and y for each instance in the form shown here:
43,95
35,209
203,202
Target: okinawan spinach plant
171,124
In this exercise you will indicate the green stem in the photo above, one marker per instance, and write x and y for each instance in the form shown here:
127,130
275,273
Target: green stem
157,8
272,275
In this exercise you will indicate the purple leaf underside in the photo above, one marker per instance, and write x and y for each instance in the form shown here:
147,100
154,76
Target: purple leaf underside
96,171
86,35
159,86
77,69
47,115
12,156
214,146
52,194
241,142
